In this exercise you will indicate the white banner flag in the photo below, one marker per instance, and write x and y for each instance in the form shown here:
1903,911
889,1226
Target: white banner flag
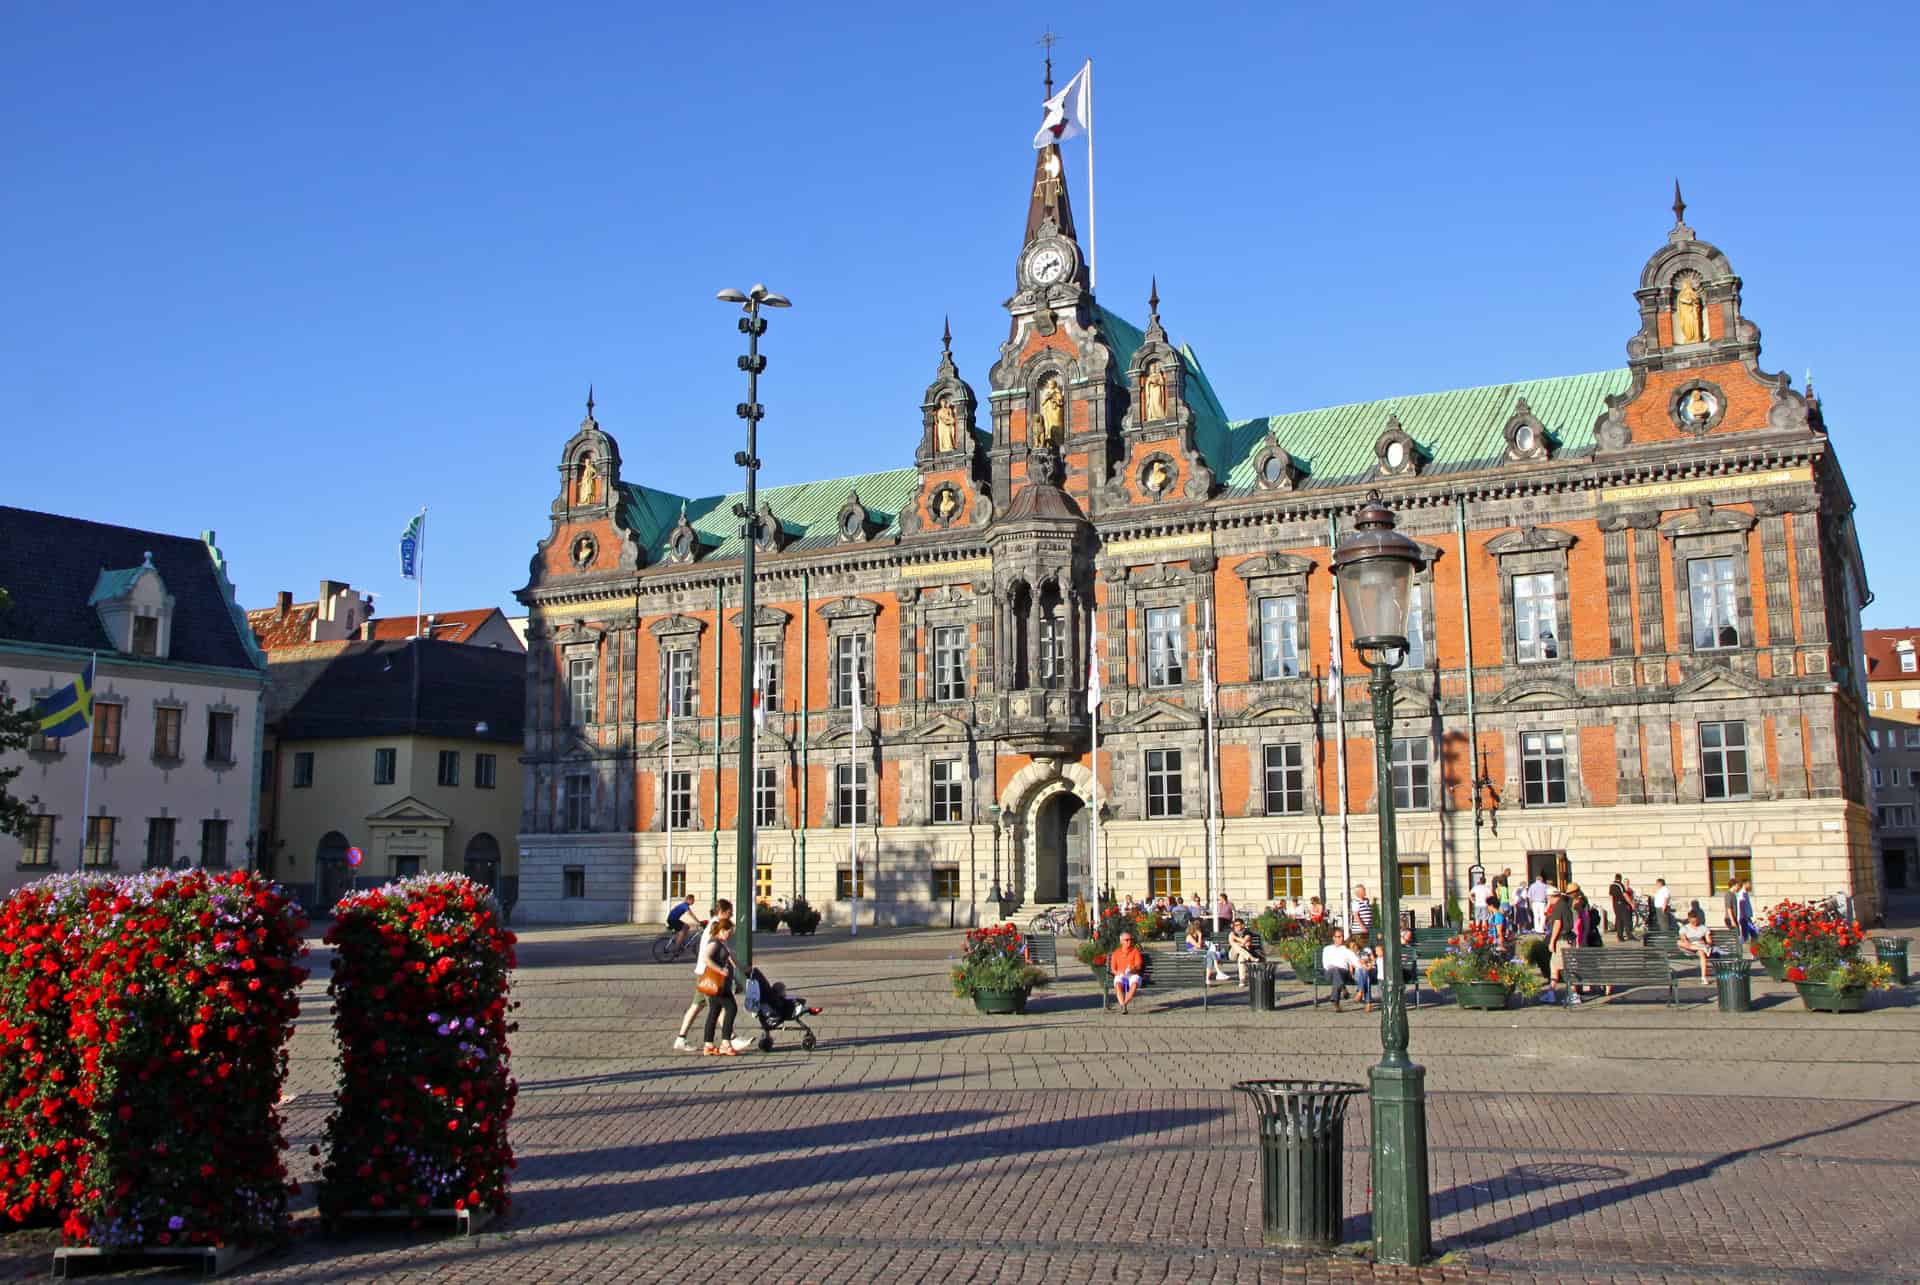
1066,112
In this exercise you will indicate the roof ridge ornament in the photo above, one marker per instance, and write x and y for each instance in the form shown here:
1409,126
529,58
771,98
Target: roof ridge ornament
1680,232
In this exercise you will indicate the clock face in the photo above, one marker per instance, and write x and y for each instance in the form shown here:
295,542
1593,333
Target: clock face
1048,264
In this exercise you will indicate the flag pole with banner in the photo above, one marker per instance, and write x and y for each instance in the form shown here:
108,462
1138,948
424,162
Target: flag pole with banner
1069,114
853,818
667,794
65,713
1214,890
1093,713
413,563
1337,680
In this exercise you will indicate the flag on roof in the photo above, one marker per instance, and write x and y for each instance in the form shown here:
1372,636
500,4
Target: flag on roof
410,541
1066,111
68,711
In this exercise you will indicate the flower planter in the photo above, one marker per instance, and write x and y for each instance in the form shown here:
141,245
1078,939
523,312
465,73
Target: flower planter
1000,1002
1776,966
1484,995
1822,998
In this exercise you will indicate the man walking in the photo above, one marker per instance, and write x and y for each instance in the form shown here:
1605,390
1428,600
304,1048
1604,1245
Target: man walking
1620,892
1662,905
1477,898
1362,910
1560,938
1537,902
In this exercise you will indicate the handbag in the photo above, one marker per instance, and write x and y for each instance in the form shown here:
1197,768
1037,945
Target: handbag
712,980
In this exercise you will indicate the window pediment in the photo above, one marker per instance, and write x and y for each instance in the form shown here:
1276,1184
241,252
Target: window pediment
1707,520
1531,539
1275,565
674,625
849,609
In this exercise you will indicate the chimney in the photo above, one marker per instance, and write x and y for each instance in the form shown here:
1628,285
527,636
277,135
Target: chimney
284,604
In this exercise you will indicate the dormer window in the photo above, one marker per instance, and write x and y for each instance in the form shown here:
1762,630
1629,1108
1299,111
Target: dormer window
135,610
1907,664
146,636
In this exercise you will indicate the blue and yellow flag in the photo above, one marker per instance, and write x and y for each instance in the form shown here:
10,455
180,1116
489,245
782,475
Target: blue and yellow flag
68,711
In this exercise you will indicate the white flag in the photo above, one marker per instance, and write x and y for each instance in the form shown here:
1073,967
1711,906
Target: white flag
1093,671
1206,675
1066,112
858,722
759,703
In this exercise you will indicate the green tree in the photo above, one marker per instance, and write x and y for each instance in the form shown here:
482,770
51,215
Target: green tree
16,725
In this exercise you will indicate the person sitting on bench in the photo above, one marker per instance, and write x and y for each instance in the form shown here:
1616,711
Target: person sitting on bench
1126,963
1342,967
1697,939
1241,949
1196,942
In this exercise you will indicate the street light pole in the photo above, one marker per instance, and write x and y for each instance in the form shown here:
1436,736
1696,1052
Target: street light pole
752,326
1375,566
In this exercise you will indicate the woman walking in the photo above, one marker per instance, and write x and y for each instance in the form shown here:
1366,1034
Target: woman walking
717,956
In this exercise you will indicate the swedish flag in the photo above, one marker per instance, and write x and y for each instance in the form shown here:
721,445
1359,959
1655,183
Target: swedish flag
69,710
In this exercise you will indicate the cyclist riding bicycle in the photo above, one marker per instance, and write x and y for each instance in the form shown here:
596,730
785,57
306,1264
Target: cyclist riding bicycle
677,921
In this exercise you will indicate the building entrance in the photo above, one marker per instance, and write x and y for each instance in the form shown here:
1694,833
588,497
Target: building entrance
1059,848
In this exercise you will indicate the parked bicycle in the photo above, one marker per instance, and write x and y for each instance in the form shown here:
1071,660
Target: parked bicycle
1056,921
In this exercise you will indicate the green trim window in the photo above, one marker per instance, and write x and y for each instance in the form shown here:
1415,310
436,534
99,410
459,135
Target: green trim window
100,840
386,763
36,847
448,772
1164,798
485,771
1723,761
213,844
303,769
160,836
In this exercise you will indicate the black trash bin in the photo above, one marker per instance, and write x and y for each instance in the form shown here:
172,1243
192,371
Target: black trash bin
1734,980
1302,1148
1263,978
1893,953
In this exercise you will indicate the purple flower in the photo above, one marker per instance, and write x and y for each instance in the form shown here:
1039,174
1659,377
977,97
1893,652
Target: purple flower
175,1223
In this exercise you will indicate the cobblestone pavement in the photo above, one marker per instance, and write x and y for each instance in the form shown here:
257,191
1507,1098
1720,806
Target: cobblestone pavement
1622,1141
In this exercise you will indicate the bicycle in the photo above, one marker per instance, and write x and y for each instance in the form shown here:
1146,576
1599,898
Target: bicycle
1057,921
666,951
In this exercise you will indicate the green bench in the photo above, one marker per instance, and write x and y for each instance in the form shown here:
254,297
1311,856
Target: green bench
1173,970
1625,967
1043,950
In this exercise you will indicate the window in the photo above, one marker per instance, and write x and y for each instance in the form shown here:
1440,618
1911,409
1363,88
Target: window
1886,700
1410,771
449,769
36,846
1163,784
1907,665
573,882
1163,881
1413,879
1416,657
680,800
581,684
850,794
213,845
677,882
485,767
1723,760
1710,591
160,831
219,736
1053,648
146,636
579,801
166,732
1543,768
1165,656
1897,818
766,660
1913,778
946,883
1728,866
1534,632
949,792
844,887
950,663
1286,881
385,762
763,881
1286,779
106,728
43,744
1910,698
303,769
683,683
406,867
1280,637
1873,736
100,840
851,656
1913,738
766,796
1876,778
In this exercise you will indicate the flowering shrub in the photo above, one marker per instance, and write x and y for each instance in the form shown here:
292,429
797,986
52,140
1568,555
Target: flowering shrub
1301,949
1821,946
996,960
1094,951
421,971
143,1031
1475,956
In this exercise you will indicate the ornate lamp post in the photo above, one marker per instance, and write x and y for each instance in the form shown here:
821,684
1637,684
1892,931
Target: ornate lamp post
753,325
1375,565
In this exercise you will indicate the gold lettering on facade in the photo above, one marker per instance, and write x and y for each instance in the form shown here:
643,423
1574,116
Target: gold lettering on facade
1694,486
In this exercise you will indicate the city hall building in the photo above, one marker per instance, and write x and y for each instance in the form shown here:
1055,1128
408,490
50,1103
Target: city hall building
1658,575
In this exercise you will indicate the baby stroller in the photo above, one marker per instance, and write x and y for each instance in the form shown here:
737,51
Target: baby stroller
769,1001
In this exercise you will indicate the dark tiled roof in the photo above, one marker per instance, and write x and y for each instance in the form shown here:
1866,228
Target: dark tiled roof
367,689
50,565
1883,661
448,626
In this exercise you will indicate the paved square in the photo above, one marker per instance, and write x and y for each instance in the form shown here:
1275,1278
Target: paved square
1621,1142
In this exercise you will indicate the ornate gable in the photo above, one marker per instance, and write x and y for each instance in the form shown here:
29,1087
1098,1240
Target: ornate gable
953,470
589,537
1159,460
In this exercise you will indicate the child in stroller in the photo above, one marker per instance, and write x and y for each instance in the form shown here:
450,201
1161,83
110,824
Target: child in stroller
769,1001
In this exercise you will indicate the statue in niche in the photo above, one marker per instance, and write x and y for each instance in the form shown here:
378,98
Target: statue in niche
1700,406
1157,476
1053,415
944,504
946,427
1155,391
588,489
1689,314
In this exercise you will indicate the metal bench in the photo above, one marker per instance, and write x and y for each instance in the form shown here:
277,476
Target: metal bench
1043,949
1169,969
1628,968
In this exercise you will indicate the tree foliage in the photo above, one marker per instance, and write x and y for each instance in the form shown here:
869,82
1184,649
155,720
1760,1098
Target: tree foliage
16,726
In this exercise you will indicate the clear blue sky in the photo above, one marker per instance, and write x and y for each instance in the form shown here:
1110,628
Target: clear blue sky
292,272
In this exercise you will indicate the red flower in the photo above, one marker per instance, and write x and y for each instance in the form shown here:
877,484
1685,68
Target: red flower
1796,974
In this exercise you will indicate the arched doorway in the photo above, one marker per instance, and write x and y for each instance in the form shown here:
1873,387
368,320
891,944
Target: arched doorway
483,859
1059,847
332,875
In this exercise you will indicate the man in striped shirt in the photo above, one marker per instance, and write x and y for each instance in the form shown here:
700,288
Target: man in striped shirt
1362,911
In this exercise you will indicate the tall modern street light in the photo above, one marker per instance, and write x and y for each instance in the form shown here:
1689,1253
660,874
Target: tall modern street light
753,325
1375,565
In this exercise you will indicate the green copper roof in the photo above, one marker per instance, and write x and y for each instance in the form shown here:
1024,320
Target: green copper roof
808,510
115,584
1210,428
1456,430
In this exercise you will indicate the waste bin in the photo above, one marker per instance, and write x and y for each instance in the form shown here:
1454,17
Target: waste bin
1263,978
1302,1149
1893,953
1734,980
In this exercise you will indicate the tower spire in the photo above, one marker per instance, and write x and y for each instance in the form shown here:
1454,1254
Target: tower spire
946,336
1679,206
589,401
1153,299
1047,38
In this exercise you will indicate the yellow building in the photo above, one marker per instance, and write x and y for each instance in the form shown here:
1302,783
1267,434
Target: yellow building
391,759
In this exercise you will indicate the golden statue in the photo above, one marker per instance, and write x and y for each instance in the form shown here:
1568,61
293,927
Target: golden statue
1689,315
1157,476
1699,406
946,427
943,504
1053,415
589,489
1156,392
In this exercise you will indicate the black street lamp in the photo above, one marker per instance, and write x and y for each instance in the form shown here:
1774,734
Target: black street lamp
753,325
1375,565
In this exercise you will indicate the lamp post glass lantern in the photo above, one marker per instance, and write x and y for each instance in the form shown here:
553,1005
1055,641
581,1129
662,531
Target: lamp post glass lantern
1375,566
753,325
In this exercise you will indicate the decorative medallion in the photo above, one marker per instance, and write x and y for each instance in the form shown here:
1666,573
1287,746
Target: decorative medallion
1157,475
1394,451
1273,468
584,550
945,504
1526,435
1697,406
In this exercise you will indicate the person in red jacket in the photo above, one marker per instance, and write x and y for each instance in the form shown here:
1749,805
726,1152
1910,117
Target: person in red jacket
1126,963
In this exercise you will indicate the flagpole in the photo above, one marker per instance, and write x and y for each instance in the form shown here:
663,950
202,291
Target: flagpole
420,576
1093,238
853,779
1213,769
1337,676
667,794
86,781
1093,711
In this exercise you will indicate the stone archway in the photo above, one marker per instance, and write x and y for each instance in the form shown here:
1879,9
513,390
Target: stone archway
1033,790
